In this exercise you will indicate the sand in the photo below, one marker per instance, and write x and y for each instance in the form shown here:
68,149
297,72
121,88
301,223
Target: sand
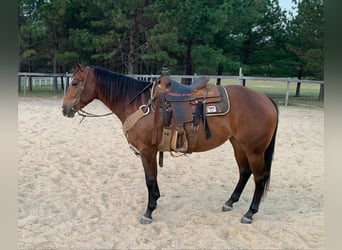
81,187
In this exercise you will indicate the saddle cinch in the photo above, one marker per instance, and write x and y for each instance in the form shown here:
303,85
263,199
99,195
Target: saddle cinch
179,104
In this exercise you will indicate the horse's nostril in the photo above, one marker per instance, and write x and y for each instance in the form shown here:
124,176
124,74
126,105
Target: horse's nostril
68,111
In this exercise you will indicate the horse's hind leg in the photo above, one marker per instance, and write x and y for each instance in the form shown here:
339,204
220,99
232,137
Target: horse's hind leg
244,171
261,177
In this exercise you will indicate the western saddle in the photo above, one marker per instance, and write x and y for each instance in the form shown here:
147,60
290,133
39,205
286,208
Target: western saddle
181,104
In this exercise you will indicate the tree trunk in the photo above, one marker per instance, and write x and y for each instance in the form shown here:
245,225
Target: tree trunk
219,72
300,74
188,67
130,54
62,82
298,89
30,84
130,67
54,83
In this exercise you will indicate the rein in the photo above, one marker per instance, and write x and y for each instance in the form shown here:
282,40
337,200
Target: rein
85,114
82,87
132,119
140,92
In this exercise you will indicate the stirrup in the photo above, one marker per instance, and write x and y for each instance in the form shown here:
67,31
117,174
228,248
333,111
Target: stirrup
179,138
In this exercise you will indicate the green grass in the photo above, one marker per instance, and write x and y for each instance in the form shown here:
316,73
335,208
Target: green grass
309,92
281,87
41,91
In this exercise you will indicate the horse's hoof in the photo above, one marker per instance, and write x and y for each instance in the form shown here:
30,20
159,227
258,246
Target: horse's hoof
245,220
227,208
145,220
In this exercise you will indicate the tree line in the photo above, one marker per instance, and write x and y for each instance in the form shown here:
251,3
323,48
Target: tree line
188,36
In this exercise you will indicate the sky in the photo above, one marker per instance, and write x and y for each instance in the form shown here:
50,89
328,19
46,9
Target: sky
286,4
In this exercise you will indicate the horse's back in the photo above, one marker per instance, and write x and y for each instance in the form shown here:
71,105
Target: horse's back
250,104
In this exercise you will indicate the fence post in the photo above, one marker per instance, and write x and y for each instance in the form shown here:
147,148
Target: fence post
321,92
25,82
287,92
54,84
242,83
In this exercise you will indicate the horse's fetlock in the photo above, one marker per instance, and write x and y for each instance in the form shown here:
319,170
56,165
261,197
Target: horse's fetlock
253,210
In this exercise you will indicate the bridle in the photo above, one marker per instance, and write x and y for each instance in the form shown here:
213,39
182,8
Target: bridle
82,88
81,112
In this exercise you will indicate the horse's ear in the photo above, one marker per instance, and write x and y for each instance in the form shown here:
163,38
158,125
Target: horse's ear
79,66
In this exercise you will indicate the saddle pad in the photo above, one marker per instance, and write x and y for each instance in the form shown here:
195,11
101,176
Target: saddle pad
218,106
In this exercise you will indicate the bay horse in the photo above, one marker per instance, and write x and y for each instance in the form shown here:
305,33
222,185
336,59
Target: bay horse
250,126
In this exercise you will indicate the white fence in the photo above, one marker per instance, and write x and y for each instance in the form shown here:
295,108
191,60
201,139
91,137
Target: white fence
284,88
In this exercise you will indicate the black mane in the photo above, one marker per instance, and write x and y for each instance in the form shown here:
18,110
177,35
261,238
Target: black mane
118,87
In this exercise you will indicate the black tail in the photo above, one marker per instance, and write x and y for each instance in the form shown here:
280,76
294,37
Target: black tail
269,152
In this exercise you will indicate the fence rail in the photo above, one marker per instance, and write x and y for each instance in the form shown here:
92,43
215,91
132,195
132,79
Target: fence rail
285,90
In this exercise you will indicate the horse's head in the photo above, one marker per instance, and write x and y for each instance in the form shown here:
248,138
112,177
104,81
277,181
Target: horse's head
80,92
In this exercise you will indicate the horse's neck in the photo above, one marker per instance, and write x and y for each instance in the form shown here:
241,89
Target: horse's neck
121,109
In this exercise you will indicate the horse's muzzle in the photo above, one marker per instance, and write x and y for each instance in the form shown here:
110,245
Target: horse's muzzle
68,111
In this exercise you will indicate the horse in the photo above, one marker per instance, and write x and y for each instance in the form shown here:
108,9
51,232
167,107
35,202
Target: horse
250,126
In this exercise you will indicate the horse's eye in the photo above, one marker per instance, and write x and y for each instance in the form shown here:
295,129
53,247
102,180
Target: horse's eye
74,84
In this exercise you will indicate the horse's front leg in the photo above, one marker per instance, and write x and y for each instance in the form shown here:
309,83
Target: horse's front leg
149,162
